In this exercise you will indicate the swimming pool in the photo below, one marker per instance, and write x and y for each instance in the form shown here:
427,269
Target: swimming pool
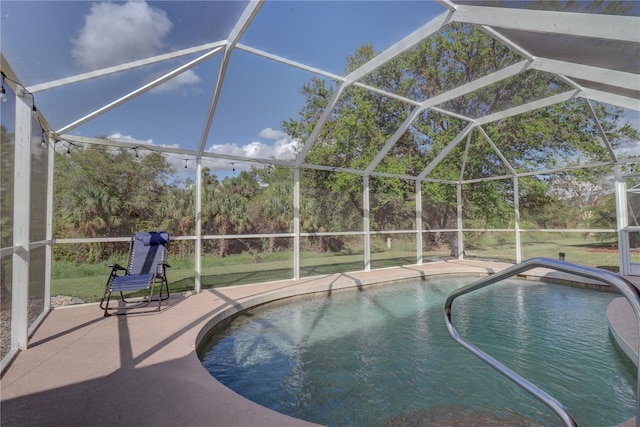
382,354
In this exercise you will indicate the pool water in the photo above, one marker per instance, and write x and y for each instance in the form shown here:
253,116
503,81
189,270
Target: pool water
381,355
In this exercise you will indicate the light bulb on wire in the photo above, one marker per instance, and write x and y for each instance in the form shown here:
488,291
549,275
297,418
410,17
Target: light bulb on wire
3,92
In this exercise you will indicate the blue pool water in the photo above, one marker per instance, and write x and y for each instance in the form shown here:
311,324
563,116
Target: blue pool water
382,355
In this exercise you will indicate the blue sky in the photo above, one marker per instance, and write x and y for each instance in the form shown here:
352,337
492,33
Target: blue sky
48,40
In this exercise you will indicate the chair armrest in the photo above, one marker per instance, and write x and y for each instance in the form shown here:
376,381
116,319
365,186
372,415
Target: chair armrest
161,266
115,267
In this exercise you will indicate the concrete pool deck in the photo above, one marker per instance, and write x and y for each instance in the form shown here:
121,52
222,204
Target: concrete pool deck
142,369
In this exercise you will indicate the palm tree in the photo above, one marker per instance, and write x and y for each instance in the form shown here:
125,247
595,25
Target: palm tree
177,212
271,209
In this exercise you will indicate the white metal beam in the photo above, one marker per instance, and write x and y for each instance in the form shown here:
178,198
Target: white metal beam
176,150
603,135
392,141
448,4
497,150
491,32
124,144
419,257
610,98
474,85
243,23
234,37
366,224
320,124
520,50
21,223
608,27
289,62
240,158
411,177
406,43
124,67
296,224
138,91
524,108
622,222
587,72
542,172
198,213
451,114
50,150
516,218
445,151
215,96
465,156
460,234
387,94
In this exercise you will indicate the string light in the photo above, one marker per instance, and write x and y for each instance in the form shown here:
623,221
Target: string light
233,167
3,92
185,163
69,144
136,151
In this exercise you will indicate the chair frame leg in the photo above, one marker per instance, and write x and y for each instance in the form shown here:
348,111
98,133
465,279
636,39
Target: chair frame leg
107,293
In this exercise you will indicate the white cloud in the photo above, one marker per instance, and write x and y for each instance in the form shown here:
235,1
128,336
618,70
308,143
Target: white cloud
174,160
118,136
283,147
116,33
128,138
189,77
268,133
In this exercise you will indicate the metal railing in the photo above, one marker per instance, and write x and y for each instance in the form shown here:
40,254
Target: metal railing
626,288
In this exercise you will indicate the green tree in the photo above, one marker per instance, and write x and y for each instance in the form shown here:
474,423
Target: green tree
271,210
224,207
176,211
7,141
103,192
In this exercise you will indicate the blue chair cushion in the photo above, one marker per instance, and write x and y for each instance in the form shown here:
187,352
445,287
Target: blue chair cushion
131,283
153,238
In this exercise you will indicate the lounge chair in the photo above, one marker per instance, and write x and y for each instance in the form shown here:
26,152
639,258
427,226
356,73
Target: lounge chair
147,266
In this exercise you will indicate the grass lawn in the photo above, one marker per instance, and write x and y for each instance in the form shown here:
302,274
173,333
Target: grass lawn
87,281
578,248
